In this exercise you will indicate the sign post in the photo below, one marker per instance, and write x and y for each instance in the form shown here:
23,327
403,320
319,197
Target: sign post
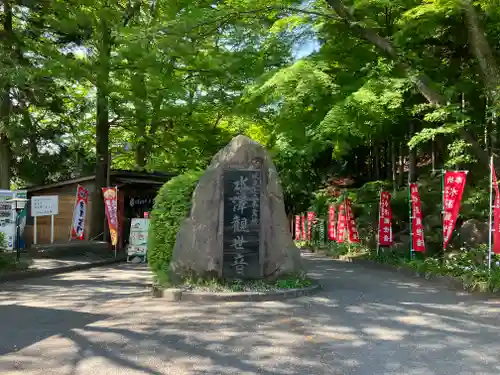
44,205
34,231
51,228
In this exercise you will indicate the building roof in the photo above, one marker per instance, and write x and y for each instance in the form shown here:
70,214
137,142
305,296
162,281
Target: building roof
150,178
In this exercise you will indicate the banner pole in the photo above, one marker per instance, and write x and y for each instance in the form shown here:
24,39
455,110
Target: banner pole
411,220
378,230
117,223
490,213
442,203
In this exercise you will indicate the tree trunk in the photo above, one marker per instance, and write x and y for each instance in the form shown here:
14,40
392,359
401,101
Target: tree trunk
376,155
482,51
141,118
102,127
360,162
387,160
495,140
5,162
412,157
5,105
433,155
401,176
394,165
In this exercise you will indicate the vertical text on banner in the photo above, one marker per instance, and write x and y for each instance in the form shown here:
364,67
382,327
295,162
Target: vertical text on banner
341,224
79,212
417,227
331,223
111,206
454,183
297,227
303,227
352,228
385,220
310,219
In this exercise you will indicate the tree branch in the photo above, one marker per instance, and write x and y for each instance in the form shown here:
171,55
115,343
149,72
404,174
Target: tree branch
421,81
482,50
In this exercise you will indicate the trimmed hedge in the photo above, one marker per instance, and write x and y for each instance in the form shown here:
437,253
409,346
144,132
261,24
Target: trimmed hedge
171,206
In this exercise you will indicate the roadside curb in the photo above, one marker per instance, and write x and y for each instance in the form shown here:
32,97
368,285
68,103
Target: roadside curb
176,295
450,282
22,275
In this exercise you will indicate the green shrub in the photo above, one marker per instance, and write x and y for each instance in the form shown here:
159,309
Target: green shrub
171,206
2,240
7,261
336,249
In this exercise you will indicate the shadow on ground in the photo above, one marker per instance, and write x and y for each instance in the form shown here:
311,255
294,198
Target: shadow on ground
364,322
19,332
82,288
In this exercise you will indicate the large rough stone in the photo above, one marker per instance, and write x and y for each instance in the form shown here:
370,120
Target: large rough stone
473,233
198,248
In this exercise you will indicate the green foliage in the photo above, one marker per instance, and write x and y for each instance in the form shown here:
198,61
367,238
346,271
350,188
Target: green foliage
294,281
2,240
336,250
389,256
459,154
171,206
176,97
469,265
8,262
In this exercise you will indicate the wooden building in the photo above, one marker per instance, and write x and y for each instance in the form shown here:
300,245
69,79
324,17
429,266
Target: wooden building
136,192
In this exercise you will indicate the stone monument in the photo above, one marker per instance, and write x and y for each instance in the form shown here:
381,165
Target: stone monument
237,227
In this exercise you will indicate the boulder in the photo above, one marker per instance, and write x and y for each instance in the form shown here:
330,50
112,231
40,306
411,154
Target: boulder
201,247
473,233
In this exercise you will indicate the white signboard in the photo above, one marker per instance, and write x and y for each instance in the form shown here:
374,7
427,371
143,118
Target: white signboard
138,241
7,218
44,205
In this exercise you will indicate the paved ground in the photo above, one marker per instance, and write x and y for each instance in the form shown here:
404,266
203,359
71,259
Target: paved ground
365,322
43,264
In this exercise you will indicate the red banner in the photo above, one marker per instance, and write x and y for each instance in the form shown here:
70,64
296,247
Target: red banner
297,227
352,228
496,213
111,207
79,212
454,183
417,227
341,223
332,235
385,220
303,228
310,219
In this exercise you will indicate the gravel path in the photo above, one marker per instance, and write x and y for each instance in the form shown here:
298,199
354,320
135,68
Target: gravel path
365,322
